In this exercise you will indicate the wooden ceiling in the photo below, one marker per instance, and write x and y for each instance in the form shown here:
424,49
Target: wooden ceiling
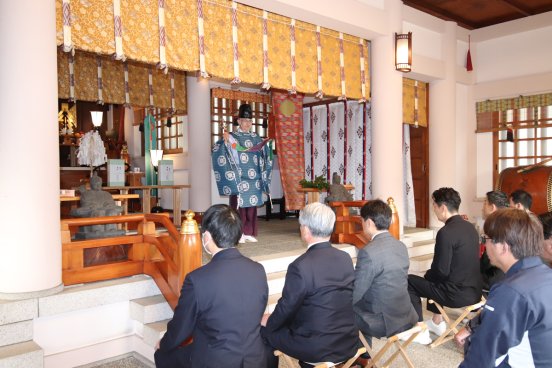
472,14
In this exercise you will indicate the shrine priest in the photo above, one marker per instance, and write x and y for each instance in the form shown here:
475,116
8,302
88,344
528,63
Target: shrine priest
242,162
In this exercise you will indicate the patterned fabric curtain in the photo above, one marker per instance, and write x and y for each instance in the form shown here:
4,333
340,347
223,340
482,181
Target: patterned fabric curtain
408,187
414,102
85,78
289,145
219,38
338,138
488,112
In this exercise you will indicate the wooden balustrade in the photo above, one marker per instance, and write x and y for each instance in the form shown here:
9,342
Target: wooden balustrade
166,257
348,228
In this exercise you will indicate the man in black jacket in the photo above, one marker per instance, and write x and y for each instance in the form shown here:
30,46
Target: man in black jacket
314,320
221,304
454,279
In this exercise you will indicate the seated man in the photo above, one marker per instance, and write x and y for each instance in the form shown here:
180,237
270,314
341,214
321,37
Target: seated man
489,273
521,200
313,320
516,323
380,296
546,220
221,304
453,279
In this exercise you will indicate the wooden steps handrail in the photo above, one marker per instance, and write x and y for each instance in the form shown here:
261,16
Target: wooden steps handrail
167,258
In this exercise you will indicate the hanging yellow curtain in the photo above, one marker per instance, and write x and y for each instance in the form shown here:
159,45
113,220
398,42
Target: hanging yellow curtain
414,102
86,77
113,79
250,36
63,74
305,36
91,26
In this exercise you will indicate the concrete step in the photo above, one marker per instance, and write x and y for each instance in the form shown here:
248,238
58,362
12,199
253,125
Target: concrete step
153,332
421,247
413,234
420,263
22,355
18,310
13,333
150,309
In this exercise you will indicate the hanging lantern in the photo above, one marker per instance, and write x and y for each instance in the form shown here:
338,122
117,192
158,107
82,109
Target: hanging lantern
403,52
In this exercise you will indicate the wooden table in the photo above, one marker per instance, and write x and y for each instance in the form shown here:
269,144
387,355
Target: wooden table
146,197
313,194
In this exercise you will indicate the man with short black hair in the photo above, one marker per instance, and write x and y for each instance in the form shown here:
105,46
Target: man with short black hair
221,304
453,279
516,323
380,296
521,200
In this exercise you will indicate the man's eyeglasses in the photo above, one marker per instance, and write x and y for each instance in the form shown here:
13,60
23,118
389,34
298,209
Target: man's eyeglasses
484,239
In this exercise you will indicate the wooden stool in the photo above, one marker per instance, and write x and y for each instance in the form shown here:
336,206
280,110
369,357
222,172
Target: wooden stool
395,340
290,363
451,325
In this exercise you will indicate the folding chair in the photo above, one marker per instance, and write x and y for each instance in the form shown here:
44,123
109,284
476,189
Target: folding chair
291,363
451,325
395,340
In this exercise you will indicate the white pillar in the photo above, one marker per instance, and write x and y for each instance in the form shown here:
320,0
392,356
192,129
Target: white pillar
199,128
29,184
387,166
442,121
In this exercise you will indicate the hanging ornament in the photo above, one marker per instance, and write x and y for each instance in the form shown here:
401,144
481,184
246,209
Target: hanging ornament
469,65
509,134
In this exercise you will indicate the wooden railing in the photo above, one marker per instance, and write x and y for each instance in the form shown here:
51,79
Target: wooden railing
166,257
348,228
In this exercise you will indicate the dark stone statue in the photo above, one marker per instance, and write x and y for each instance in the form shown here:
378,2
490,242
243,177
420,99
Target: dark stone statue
95,202
338,193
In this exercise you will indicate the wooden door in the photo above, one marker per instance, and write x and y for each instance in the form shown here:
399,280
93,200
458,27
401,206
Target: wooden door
419,157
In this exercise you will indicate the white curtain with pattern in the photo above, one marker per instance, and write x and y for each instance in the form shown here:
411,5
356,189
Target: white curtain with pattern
408,186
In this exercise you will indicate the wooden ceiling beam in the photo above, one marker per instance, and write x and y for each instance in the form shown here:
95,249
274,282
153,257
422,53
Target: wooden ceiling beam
517,7
441,13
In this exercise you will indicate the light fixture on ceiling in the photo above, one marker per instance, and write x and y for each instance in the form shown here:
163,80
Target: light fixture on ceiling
97,119
403,52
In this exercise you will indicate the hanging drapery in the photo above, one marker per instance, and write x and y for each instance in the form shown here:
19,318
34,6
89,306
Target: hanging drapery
289,145
414,102
344,148
96,78
408,186
201,35
488,112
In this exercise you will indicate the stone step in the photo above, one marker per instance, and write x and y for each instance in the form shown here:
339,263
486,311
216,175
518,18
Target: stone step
22,355
94,294
153,332
18,310
420,263
421,247
13,333
150,309
413,234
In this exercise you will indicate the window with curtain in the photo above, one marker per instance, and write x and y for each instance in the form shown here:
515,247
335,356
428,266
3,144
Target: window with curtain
224,109
170,134
525,139
521,127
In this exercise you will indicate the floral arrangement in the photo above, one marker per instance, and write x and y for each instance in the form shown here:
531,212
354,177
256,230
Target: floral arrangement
319,182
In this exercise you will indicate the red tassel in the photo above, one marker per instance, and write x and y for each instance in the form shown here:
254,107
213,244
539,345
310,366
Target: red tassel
469,66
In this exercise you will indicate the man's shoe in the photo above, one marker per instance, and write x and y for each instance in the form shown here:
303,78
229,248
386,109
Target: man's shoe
242,239
437,329
422,338
249,238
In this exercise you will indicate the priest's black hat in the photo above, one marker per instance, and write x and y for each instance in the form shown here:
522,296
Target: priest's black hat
245,111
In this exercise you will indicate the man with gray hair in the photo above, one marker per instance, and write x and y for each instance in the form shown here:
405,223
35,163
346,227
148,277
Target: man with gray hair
314,320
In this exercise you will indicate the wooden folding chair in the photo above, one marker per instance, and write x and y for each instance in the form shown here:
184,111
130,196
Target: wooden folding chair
395,340
451,325
291,363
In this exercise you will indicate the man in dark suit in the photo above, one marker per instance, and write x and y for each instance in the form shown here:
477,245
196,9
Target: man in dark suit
380,296
313,320
221,304
454,279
